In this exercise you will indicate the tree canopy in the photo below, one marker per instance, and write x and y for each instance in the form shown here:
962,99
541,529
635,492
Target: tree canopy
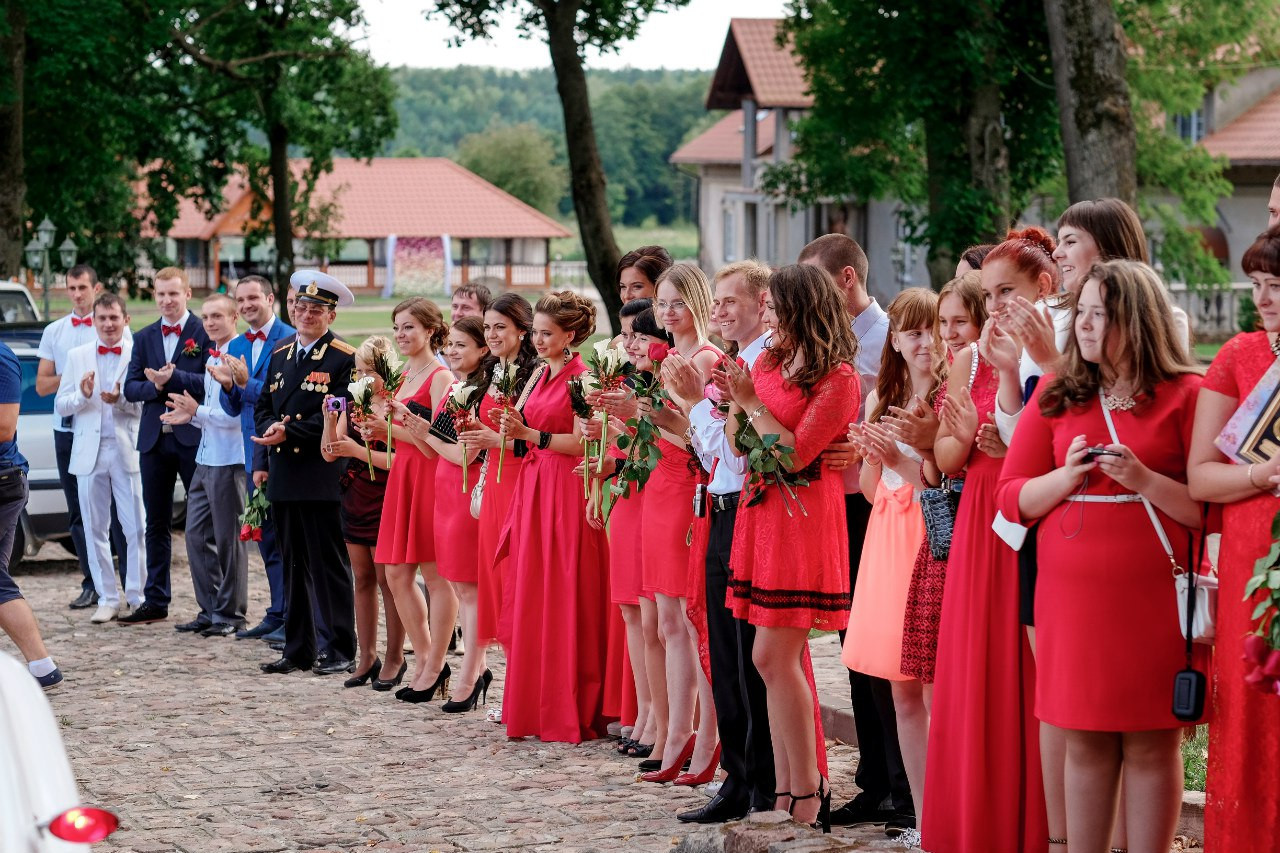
519,159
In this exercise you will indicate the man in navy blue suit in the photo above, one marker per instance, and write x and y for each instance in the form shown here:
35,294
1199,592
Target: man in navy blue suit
168,358
242,376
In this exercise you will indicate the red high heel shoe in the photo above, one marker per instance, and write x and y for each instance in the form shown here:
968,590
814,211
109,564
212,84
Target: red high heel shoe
705,776
671,772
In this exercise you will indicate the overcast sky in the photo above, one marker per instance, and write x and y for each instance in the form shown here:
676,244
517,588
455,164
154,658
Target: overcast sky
691,37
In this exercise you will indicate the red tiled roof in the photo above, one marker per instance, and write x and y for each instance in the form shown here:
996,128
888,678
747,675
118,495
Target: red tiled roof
752,64
722,142
406,196
1253,139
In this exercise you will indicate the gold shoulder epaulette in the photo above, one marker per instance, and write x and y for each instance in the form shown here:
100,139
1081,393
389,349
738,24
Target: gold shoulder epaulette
283,348
342,346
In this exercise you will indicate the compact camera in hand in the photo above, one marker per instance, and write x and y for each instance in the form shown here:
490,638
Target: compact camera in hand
335,404
1092,453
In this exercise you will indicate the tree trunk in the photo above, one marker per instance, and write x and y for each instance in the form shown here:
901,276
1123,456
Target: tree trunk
587,179
1098,134
281,211
13,187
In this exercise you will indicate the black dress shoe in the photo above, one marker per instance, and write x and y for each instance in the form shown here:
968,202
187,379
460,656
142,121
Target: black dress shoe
858,812
87,598
898,823
260,630
333,665
279,667
195,626
276,647
718,810
219,629
145,613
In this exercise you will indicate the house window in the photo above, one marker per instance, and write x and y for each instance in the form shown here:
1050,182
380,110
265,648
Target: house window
730,234
1190,126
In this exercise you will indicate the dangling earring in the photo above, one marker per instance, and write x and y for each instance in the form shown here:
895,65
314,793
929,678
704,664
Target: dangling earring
567,353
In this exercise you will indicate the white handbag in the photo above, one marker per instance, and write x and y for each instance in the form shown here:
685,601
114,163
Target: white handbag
1186,581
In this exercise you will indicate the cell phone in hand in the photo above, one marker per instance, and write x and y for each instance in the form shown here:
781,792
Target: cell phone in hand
1092,453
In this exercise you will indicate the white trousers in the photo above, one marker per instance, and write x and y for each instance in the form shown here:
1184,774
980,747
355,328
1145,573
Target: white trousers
110,480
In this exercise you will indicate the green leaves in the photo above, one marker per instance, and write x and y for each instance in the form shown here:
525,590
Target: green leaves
1266,576
768,462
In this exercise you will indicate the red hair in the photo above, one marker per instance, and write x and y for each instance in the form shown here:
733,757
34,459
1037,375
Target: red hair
1030,250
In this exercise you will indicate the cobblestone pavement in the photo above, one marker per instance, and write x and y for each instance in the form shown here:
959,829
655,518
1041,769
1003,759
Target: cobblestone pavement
196,750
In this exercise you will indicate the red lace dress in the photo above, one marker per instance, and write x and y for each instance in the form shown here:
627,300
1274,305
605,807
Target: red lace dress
792,570
560,587
929,577
1242,810
408,509
494,618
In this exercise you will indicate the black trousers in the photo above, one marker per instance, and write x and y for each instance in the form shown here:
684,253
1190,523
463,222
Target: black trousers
317,579
881,774
742,714
161,467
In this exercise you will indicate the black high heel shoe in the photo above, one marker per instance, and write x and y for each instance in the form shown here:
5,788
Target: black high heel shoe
363,678
408,694
384,685
824,805
479,693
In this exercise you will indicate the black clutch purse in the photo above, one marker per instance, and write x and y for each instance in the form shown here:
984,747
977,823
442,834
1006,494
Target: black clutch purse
444,428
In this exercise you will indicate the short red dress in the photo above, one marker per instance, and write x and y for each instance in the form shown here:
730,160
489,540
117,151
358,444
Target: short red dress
792,570
406,535
457,533
493,620
558,570
1104,582
1242,811
668,518
626,533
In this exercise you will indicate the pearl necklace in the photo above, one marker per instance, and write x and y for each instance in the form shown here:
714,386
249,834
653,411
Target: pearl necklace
1275,346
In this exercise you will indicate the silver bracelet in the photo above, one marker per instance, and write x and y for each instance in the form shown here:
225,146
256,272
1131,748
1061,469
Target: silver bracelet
760,410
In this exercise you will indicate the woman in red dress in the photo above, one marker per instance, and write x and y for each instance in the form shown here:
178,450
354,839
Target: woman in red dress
558,562
508,327
974,714
405,540
1104,581
683,310
456,532
790,568
363,493
1242,811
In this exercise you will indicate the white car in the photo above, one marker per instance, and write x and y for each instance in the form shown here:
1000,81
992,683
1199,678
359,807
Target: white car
40,808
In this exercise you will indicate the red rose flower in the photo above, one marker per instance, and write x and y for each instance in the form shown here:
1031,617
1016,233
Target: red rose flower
189,342
658,351
257,534
1255,649
246,532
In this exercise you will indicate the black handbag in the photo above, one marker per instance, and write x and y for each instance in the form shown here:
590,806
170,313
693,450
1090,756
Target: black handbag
939,505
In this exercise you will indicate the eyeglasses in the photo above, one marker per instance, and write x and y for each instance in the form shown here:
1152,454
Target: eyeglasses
309,308
678,307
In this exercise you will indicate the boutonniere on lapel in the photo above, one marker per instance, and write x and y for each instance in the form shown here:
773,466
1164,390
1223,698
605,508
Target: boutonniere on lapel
190,348
316,381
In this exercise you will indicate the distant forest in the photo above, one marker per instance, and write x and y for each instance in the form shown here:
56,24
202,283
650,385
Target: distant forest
641,117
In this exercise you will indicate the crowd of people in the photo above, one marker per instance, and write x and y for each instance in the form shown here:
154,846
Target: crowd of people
981,488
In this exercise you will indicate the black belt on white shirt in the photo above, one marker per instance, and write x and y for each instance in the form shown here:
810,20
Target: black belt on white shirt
724,503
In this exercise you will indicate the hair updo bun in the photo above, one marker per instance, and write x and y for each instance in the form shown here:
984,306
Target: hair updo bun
572,313
1030,251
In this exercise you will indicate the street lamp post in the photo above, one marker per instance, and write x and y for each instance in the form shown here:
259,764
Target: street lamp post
38,250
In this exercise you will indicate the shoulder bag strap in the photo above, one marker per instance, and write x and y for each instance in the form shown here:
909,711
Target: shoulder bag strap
529,386
1151,512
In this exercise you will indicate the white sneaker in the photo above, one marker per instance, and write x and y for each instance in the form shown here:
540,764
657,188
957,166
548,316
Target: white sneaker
494,715
104,613
910,839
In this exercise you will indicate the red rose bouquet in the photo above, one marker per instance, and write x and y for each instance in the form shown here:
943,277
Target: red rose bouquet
254,516
1262,648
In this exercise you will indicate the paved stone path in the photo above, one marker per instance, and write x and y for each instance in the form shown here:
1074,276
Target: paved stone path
198,751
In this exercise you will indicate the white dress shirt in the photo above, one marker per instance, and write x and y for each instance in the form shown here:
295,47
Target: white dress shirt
1063,318
108,370
171,341
56,341
871,328
258,345
710,442
220,440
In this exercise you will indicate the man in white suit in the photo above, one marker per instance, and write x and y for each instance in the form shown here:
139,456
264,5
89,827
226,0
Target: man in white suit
104,452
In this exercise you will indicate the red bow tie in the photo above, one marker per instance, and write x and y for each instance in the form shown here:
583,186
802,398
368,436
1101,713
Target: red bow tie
213,353
104,350
170,330
81,321
256,336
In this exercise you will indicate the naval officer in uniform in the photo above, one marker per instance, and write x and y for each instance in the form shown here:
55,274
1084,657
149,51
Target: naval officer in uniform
302,487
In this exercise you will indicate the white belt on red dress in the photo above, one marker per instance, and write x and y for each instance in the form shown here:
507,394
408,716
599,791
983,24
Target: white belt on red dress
1105,499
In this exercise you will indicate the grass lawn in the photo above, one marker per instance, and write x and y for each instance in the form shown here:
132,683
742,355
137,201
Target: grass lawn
1195,758
680,239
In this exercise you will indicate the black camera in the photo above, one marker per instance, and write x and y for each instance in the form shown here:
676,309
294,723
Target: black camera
1092,453
335,404
1189,687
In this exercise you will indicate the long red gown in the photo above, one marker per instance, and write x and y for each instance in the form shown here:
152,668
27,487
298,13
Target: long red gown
1104,581
560,591
493,621
408,509
983,784
1242,810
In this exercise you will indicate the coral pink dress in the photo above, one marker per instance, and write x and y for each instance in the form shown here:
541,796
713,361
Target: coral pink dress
493,620
873,642
1104,582
983,781
457,533
560,591
408,510
792,570
668,518
1242,810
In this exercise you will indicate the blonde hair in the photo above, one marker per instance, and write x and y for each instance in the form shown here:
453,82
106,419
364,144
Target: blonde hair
692,286
373,346
755,275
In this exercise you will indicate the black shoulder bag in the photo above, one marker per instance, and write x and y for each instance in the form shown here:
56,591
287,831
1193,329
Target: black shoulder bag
1190,685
